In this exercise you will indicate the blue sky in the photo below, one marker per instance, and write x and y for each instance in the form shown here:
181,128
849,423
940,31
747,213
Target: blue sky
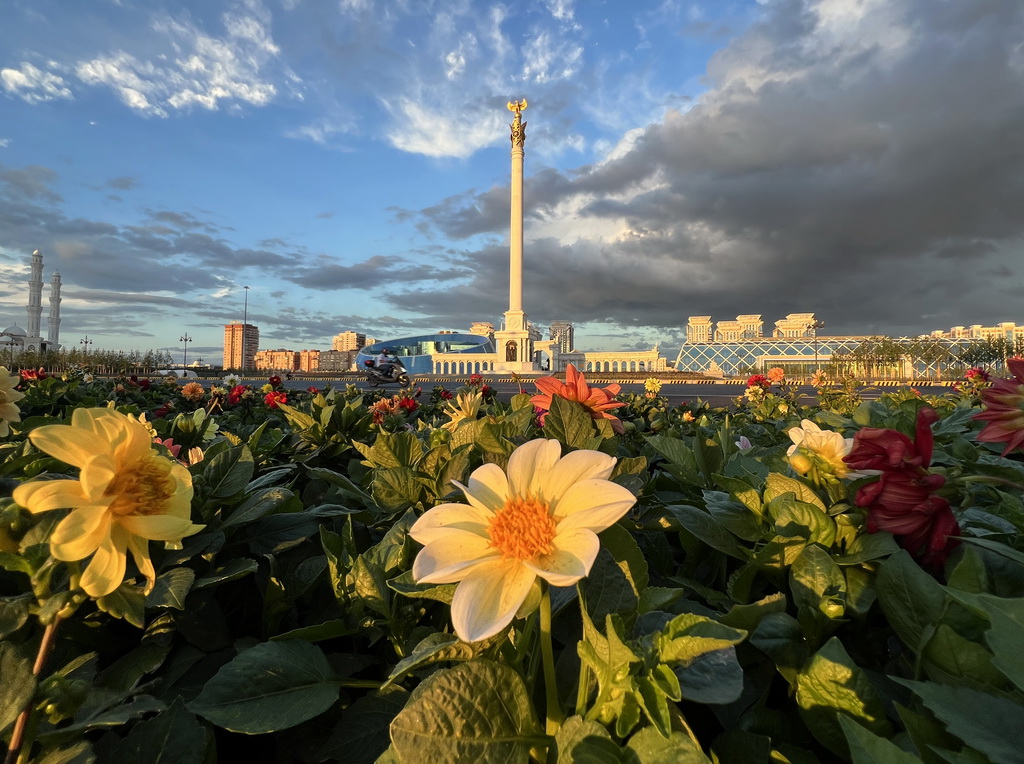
349,161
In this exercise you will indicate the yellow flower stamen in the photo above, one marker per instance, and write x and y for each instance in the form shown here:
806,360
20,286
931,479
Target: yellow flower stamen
523,529
145,489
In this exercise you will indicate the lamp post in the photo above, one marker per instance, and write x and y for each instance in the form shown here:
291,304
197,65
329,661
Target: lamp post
85,342
245,323
184,358
814,326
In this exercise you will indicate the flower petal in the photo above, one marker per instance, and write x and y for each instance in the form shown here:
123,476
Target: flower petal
69,444
139,547
573,468
593,504
575,552
487,599
158,527
96,475
44,495
448,558
528,466
105,571
487,489
445,518
80,533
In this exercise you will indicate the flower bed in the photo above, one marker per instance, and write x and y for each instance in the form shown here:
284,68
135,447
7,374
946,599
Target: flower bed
193,574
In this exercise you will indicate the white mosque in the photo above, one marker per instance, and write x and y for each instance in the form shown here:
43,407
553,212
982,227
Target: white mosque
15,340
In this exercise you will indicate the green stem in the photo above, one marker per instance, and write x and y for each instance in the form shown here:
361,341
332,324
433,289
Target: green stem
990,479
554,716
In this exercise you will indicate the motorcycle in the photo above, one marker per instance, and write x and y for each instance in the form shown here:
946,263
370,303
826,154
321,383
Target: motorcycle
397,373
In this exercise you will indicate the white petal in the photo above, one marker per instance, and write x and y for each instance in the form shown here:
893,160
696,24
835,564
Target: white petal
574,468
444,518
529,465
593,504
487,489
575,552
448,558
487,599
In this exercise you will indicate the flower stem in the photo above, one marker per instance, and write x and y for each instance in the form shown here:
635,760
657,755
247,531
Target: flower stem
991,479
18,733
554,716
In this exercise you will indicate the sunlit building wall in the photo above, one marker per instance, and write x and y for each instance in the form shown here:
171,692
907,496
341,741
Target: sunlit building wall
235,355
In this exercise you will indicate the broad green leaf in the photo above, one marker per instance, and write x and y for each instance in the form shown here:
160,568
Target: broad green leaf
688,636
585,742
229,571
713,677
818,583
228,472
270,687
318,632
747,617
927,733
952,659
124,674
18,684
405,586
776,485
127,602
607,588
780,637
648,747
799,519
13,613
983,721
569,423
171,589
110,717
172,737
435,648
910,598
370,587
745,493
1005,634
623,548
258,505
73,753
361,736
707,529
832,685
475,712
868,748
867,547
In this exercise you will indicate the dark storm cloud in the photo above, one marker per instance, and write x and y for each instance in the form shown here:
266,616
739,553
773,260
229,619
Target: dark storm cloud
376,271
868,169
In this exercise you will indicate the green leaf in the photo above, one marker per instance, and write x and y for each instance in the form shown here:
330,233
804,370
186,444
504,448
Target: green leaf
436,648
361,735
868,748
800,519
707,529
607,588
818,583
74,753
585,742
745,493
952,659
229,472
623,548
478,711
172,737
648,747
171,588
405,586
18,684
747,617
124,674
258,505
831,685
370,587
1006,637
13,613
777,485
318,632
910,598
569,423
126,602
867,547
988,723
270,687
712,677
229,571
688,636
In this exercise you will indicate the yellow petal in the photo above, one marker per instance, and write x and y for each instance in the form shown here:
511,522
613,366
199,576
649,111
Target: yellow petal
71,445
448,558
444,518
487,599
528,466
105,571
575,552
593,504
573,468
80,533
158,527
96,475
44,495
139,547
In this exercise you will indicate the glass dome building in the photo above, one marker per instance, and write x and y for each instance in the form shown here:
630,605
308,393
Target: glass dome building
416,352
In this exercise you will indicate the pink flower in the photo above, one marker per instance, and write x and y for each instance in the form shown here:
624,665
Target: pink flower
883,449
1004,409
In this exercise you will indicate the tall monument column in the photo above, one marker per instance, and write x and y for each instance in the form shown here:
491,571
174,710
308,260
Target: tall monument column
35,294
53,323
513,342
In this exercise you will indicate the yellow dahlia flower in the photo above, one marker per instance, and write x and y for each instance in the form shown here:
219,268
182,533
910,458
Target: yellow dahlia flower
810,441
465,406
126,495
539,519
9,412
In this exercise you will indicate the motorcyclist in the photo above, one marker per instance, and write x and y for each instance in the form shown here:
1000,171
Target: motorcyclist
385,363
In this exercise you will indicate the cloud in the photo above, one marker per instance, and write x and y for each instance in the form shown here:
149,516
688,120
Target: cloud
123,183
205,71
34,85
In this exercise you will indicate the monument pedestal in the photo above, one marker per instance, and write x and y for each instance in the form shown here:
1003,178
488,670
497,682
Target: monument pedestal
513,345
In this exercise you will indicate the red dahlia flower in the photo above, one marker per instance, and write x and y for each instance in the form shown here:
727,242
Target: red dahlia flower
595,400
759,380
274,398
1004,409
312,389
274,380
883,449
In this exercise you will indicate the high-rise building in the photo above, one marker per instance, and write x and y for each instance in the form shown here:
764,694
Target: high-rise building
348,341
562,333
277,360
237,335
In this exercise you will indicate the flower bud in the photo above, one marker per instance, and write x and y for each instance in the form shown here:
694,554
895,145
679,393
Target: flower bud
800,462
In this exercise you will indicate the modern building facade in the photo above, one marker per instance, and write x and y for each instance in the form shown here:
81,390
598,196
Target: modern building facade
348,341
562,332
241,342
276,360
1007,330
471,351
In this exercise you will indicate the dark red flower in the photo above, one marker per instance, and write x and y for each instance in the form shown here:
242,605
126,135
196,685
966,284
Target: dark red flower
875,448
312,389
475,380
759,380
1004,409
31,375
408,405
274,380
236,394
444,395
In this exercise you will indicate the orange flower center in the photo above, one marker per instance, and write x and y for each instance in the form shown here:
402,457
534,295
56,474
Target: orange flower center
523,529
142,488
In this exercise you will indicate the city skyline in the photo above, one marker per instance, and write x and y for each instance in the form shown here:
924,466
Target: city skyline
857,160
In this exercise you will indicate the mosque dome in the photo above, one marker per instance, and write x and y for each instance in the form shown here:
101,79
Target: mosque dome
15,330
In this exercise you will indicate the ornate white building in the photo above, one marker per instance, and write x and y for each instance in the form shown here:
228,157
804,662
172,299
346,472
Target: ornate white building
14,340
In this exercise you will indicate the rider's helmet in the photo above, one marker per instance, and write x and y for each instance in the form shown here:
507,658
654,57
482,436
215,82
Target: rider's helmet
387,351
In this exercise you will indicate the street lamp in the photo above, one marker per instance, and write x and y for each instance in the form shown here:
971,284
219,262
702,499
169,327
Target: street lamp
85,342
184,358
245,323
814,326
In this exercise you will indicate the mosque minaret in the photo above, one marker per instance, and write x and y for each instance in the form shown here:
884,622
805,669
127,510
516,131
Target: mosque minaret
53,322
35,295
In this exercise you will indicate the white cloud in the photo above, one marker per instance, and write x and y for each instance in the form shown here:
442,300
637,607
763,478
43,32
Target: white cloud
560,9
5,142
34,85
433,130
547,59
206,70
